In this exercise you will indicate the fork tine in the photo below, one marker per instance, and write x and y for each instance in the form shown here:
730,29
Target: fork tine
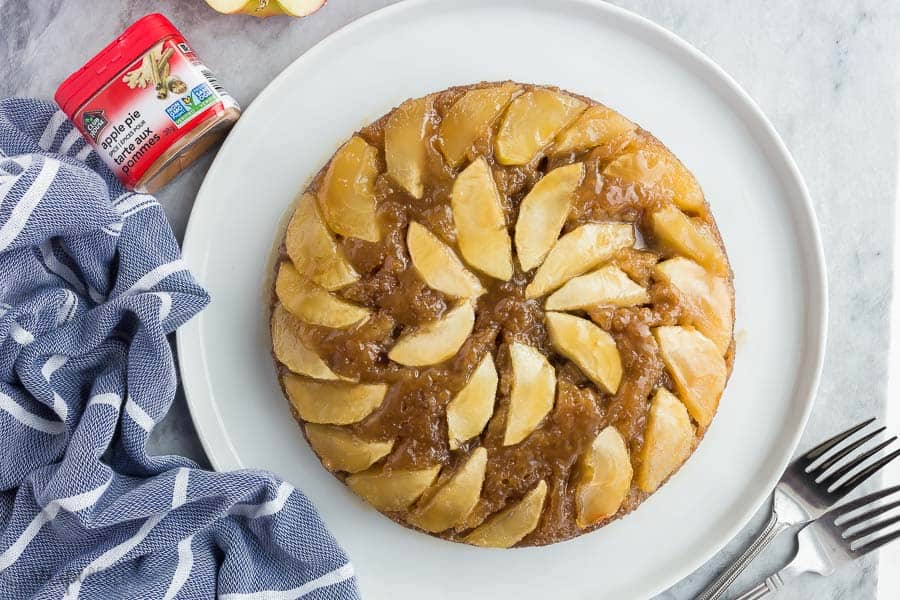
847,507
847,450
880,510
851,484
876,543
830,443
867,531
856,461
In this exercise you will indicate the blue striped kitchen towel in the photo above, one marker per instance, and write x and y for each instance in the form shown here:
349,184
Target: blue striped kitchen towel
90,284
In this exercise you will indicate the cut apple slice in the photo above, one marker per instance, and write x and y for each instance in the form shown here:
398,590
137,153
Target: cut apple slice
588,346
392,490
469,118
404,144
696,366
668,440
532,394
293,8
347,194
604,478
543,213
452,503
437,341
480,222
607,286
312,249
656,166
677,231
292,352
314,304
438,266
531,122
510,525
341,450
330,403
472,407
596,126
579,251
705,296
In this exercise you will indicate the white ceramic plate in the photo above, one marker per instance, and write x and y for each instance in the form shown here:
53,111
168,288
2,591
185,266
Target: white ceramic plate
622,60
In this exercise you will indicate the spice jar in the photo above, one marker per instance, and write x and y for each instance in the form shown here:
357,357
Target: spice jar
147,104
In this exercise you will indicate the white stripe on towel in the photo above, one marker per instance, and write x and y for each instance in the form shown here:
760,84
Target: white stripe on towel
254,511
156,275
58,118
331,578
28,419
26,204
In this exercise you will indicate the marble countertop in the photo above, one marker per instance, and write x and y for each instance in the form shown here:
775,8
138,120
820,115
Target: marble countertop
824,71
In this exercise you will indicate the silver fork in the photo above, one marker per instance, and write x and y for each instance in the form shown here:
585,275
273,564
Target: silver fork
805,492
831,541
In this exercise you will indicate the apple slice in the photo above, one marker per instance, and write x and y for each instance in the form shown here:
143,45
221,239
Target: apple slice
668,440
392,490
454,500
472,407
579,251
469,118
331,403
596,126
437,341
438,266
696,366
705,296
341,450
314,304
256,8
588,346
292,352
532,394
604,478
531,122
347,194
312,249
677,231
543,213
511,524
404,144
657,167
480,222
607,286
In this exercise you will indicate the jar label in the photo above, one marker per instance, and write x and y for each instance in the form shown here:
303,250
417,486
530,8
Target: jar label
157,100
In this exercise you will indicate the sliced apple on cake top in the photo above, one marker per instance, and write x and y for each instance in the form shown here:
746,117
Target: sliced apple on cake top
438,265
347,194
531,122
469,118
603,478
436,341
404,144
533,392
481,222
511,524
452,502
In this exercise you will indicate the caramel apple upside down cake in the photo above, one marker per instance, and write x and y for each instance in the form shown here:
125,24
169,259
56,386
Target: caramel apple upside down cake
503,314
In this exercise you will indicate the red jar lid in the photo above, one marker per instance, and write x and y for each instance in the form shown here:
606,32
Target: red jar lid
125,49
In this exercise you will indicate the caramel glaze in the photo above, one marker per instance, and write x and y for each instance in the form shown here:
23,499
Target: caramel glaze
413,412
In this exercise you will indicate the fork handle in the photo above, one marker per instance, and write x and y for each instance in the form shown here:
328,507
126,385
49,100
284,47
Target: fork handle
718,587
772,584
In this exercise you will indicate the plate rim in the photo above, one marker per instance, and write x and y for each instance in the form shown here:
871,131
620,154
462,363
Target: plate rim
191,353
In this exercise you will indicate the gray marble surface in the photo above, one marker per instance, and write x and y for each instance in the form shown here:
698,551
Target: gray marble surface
824,71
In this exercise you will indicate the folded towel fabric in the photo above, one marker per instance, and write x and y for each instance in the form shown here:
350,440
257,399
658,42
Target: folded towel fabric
91,282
